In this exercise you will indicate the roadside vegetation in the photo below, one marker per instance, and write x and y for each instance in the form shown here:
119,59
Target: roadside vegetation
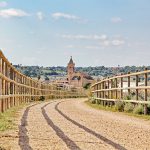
136,110
7,119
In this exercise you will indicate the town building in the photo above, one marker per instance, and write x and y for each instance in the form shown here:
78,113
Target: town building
77,79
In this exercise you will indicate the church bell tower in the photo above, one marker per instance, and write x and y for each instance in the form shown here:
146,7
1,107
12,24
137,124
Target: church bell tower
70,69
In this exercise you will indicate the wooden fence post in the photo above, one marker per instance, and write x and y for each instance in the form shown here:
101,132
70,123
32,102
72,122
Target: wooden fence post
1,100
108,82
137,83
111,88
121,85
97,91
129,91
145,92
116,85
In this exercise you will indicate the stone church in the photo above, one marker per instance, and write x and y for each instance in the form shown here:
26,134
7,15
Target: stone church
77,79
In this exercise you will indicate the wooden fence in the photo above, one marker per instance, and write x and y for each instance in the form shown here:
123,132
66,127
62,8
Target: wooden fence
113,89
16,88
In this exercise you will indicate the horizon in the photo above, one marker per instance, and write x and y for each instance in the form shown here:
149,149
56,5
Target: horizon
108,33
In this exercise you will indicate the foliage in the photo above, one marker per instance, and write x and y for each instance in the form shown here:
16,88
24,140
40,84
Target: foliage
46,78
92,100
128,107
112,109
42,98
7,120
87,86
119,106
148,109
34,71
138,109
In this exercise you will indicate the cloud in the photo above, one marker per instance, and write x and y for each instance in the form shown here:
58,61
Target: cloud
3,4
59,15
116,19
100,41
105,43
69,46
85,37
113,42
118,42
40,15
66,16
82,47
8,13
92,47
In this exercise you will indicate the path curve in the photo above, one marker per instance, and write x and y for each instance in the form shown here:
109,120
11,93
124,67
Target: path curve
71,124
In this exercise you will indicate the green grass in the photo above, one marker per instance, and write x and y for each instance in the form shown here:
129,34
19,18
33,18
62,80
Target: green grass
112,109
7,119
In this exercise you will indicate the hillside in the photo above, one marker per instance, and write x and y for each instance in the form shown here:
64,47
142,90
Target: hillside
60,71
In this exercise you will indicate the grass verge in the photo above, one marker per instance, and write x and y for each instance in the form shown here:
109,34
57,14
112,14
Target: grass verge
112,109
7,119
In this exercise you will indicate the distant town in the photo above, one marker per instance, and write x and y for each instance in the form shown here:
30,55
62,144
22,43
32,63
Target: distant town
59,72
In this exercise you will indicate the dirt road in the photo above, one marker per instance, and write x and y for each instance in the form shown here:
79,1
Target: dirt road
71,124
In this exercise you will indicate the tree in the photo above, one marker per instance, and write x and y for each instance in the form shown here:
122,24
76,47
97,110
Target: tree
46,78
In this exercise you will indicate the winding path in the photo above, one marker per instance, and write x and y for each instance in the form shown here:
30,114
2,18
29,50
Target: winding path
71,124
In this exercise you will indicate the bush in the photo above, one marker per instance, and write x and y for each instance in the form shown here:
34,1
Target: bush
42,98
127,97
128,107
98,102
93,101
148,108
119,106
138,109
87,86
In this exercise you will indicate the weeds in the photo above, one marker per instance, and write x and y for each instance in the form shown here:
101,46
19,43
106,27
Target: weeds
138,109
128,107
119,106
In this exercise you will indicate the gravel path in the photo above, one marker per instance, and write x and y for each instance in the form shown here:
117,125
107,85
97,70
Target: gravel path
71,124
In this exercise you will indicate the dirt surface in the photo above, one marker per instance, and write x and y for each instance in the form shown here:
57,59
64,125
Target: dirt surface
71,124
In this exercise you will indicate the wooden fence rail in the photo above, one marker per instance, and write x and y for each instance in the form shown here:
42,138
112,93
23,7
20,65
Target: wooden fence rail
121,88
16,88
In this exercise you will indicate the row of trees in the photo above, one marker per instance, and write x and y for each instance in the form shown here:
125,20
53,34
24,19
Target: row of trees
35,71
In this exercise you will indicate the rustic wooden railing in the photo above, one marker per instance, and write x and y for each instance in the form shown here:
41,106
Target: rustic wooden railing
113,89
16,88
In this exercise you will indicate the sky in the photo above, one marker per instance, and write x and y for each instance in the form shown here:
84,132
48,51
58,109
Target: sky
93,32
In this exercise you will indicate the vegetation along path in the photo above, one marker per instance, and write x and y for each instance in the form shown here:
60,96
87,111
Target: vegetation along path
71,124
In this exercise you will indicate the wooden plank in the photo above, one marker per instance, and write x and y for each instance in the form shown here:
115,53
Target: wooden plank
129,101
145,92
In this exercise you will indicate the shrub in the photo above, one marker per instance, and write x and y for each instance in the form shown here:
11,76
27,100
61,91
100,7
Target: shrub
42,98
93,101
127,97
148,109
98,102
119,106
128,107
87,86
138,109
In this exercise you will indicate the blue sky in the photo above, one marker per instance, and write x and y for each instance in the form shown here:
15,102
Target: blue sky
94,32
